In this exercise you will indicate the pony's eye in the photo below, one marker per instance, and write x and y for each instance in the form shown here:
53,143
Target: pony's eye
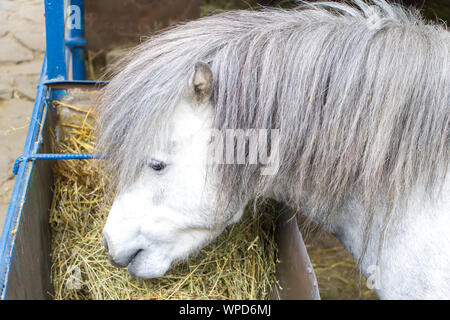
157,165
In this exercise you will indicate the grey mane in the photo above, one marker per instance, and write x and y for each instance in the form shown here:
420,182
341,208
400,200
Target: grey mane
360,94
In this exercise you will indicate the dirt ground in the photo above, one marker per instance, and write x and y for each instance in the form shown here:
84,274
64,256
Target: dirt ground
336,271
22,46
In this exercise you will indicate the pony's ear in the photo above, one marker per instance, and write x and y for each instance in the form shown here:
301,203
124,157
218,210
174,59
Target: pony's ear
202,82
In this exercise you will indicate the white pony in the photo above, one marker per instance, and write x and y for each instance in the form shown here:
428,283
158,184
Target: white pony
359,96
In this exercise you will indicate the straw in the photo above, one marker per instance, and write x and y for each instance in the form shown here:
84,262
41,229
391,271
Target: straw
240,264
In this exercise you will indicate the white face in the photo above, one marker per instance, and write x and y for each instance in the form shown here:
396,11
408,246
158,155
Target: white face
168,213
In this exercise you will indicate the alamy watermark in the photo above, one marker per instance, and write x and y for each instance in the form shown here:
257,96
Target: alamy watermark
247,146
74,21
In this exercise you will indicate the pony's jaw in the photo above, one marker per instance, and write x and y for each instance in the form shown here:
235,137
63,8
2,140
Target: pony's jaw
148,246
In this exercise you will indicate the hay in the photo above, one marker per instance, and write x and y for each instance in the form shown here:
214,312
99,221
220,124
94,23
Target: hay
240,264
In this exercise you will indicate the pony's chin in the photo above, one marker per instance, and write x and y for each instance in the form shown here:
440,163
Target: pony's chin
144,267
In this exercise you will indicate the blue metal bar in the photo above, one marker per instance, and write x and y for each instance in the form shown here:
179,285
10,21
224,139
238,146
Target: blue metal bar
69,82
76,41
54,30
55,156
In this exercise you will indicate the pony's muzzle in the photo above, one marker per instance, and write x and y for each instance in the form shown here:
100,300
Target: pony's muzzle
124,259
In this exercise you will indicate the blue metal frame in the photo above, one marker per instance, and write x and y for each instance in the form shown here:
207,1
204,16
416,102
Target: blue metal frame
23,177
54,156
55,48
59,49
55,70
76,41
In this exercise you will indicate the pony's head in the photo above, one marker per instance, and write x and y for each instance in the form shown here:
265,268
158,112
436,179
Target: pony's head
355,106
168,211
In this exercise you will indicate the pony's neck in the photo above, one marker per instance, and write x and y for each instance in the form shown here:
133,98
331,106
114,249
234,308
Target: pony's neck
415,259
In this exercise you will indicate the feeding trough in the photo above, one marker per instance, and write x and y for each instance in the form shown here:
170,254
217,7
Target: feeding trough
25,262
